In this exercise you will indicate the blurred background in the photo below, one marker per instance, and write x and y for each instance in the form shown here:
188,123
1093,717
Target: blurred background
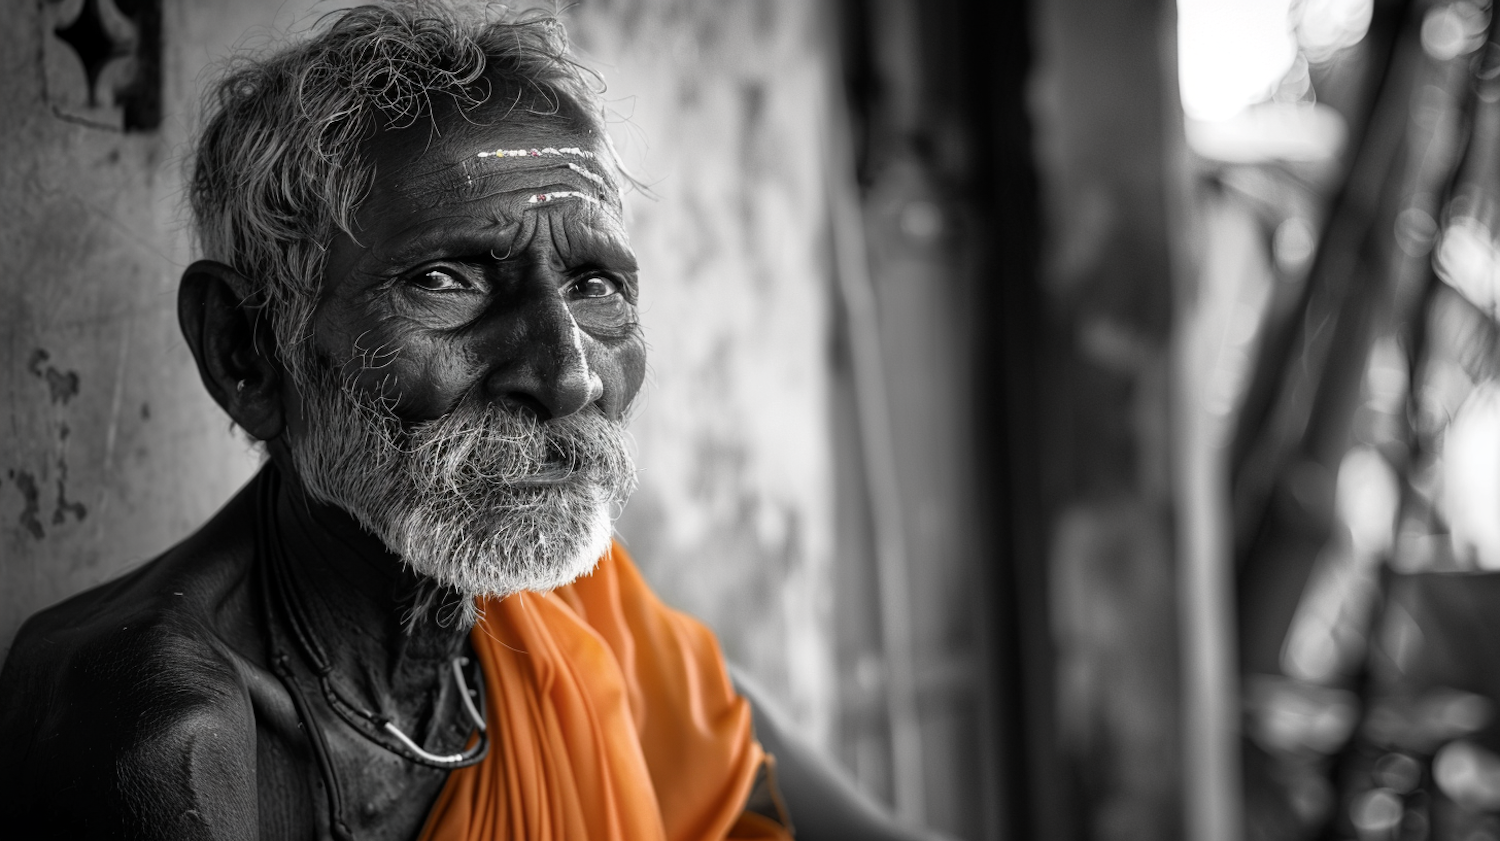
1082,415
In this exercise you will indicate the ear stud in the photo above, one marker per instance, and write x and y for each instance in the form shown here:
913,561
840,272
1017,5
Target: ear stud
239,387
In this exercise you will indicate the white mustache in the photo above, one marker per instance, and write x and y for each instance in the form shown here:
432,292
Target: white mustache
482,500
489,445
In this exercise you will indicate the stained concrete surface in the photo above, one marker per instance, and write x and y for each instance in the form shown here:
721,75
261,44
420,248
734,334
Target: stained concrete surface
722,111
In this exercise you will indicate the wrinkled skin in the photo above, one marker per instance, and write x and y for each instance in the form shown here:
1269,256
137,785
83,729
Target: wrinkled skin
146,708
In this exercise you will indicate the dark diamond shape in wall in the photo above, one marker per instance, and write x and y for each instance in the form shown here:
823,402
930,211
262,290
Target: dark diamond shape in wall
96,46
102,62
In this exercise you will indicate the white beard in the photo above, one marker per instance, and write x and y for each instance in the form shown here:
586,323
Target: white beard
483,501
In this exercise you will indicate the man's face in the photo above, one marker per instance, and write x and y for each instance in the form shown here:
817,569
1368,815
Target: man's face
476,349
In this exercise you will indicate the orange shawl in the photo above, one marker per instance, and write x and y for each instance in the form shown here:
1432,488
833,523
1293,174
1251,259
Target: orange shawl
611,718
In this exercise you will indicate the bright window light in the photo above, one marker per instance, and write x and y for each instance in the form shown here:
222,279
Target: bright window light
1231,54
1328,26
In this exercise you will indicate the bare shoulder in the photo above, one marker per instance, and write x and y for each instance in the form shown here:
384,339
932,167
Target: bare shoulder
124,711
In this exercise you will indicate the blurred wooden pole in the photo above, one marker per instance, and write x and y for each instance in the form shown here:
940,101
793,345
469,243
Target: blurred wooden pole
851,266
1212,790
1210,695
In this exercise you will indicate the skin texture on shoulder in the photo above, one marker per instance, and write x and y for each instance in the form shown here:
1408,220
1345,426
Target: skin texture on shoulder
127,709
147,707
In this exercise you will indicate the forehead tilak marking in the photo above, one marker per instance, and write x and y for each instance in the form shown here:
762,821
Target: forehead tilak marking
545,152
468,172
541,198
554,152
587,173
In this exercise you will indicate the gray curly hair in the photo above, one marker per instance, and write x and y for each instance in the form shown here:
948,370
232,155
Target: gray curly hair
278,170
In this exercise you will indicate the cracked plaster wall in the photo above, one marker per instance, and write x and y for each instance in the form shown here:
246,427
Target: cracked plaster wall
112,450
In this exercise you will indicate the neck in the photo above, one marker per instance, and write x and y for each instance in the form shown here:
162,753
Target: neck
359,598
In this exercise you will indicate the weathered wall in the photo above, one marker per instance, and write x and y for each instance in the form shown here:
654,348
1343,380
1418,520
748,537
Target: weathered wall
112,450
723,113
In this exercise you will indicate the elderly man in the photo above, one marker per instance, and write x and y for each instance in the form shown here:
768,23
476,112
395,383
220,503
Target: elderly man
419,294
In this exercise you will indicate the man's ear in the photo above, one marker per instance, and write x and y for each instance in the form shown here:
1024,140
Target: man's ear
234,346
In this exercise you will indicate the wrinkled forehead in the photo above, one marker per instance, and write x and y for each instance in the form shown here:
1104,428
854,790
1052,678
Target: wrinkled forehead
482,182
503,144
543,170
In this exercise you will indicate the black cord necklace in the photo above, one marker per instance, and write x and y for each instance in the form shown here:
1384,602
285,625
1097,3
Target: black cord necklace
278,592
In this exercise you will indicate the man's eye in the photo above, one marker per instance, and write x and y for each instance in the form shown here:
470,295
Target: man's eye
438,280
595,286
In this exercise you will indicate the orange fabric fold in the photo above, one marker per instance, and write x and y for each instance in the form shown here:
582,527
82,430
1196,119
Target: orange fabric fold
611,718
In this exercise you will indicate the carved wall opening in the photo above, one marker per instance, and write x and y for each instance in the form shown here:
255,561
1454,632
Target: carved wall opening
101,62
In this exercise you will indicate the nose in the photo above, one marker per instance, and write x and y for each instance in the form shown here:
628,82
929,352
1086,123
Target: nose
544,369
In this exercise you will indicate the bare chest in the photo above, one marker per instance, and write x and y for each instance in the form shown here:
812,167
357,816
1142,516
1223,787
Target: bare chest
318,778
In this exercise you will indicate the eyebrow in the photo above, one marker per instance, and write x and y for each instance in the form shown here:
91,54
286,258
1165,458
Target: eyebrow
439,238
589,244
588,173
